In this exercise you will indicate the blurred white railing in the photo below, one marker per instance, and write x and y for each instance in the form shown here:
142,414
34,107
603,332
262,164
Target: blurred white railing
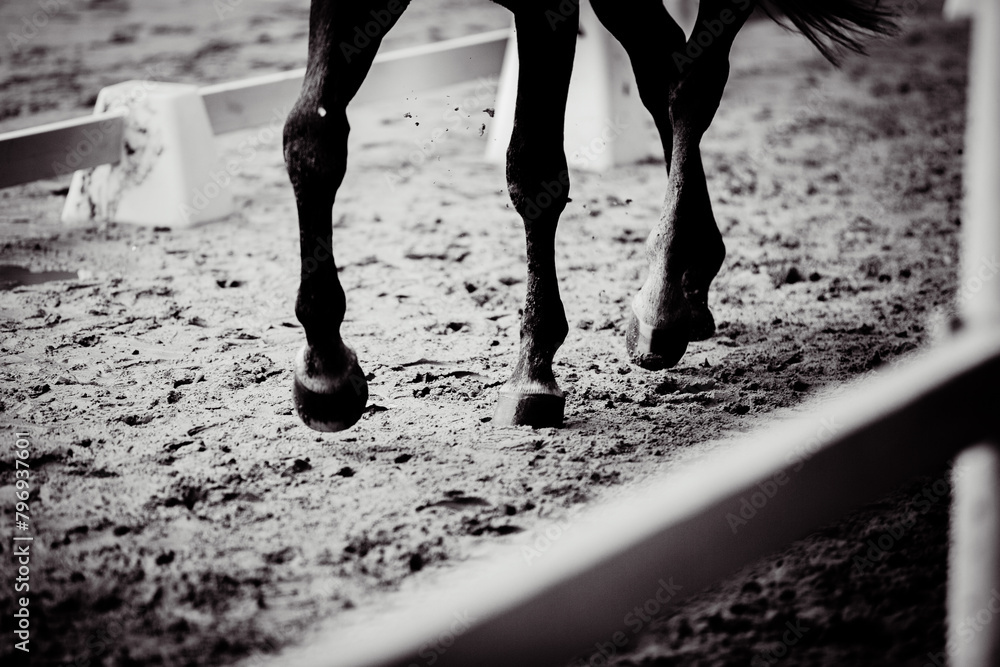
29,155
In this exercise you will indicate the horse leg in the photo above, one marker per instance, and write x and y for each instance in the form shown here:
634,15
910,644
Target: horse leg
538,181
329,389
649,36
685,250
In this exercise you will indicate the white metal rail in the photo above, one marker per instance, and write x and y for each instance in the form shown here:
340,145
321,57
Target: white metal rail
797,477
30,155
974,567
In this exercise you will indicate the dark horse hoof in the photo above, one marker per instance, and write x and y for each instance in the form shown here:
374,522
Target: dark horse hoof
537,410
702,322
329,401
655,349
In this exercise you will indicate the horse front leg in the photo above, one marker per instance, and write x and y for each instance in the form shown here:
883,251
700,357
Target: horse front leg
538,181
329,389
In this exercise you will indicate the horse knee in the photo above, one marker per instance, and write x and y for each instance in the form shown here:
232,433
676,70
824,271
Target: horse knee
315,146
537,193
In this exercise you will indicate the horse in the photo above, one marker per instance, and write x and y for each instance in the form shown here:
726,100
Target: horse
680,82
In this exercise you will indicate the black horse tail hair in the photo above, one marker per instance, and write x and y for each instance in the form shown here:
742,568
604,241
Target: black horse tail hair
835,26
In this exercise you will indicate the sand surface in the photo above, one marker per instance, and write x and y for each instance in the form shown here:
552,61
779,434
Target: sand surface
183,515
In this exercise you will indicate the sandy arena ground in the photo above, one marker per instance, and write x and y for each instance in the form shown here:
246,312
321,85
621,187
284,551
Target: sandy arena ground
182,515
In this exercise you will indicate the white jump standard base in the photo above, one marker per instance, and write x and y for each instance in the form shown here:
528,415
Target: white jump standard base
605,120
168,173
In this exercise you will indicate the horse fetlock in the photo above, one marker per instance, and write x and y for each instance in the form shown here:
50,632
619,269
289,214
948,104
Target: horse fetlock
321,303
555,331
702,320
696,286
323,370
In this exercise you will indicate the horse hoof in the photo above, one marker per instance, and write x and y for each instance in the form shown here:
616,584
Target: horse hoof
329,402
654,349
536,410
702,324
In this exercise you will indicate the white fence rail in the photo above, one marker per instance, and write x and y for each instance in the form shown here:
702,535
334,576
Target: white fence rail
39,153
251,102
29,155
688,531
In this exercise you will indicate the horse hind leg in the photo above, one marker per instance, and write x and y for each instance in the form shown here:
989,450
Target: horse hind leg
685,250
329,389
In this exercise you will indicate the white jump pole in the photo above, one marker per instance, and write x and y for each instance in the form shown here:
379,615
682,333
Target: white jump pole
974,558
606,124
147,155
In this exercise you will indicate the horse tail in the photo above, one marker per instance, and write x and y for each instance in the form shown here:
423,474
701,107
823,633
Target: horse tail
834,26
